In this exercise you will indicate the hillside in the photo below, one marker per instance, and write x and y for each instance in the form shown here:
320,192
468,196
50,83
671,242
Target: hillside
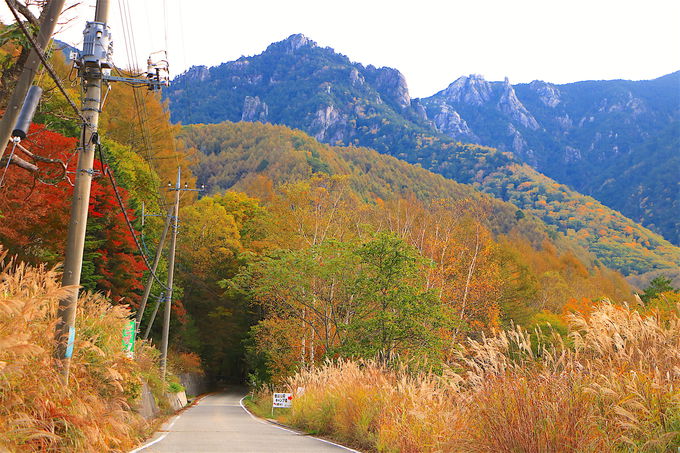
613,140
234,151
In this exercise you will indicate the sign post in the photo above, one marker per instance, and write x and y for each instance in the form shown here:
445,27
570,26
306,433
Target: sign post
282,400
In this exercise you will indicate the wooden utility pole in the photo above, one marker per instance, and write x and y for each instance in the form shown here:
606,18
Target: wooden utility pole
171,274
152,275
48,23
92,77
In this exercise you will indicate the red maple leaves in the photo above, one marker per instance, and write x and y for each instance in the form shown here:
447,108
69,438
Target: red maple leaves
34,220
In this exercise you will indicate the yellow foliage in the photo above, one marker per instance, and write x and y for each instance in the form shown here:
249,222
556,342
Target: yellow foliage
616,389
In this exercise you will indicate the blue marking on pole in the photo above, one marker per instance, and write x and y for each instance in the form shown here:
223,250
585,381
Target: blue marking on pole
71,340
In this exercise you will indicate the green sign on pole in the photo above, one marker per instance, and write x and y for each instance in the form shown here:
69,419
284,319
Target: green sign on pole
129,338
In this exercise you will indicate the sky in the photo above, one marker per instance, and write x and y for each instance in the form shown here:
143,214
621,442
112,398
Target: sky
432,42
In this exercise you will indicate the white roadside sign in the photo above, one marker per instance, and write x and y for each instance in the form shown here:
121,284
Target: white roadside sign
283,400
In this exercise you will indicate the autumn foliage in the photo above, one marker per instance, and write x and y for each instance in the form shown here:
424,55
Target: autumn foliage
611,386
35,208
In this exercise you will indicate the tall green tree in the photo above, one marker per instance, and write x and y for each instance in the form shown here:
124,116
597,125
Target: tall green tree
395,314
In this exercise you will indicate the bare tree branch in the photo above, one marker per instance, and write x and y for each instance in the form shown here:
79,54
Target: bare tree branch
25,11
19,162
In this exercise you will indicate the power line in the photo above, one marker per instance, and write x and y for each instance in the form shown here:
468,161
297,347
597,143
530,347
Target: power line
139,102
106,170
44,60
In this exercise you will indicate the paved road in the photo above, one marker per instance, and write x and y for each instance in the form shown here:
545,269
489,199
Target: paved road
219,423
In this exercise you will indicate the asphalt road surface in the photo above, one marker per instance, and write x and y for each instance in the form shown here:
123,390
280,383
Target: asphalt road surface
219,423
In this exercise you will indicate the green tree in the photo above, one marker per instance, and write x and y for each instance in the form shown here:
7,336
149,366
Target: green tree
657,286
395,315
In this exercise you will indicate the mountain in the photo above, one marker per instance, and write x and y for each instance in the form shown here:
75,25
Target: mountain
299,84
614,140
233,155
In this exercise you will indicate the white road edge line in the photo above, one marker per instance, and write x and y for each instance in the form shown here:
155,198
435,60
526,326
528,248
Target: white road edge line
145,446
290,431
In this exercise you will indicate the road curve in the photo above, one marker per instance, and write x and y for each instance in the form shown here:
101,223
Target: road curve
220,423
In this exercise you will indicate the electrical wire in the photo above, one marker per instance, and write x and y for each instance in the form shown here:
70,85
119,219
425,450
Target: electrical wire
44,60
9,160
106,170
138,100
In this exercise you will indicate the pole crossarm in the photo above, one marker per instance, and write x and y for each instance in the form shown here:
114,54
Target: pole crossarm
152,84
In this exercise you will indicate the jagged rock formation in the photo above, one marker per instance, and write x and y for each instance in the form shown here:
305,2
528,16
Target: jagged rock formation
391,84
254,110
511,106
449,122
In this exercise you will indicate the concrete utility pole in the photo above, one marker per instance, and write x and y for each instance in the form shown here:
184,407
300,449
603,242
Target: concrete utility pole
161,298
171,269
48,23
95,48
171,274
154,266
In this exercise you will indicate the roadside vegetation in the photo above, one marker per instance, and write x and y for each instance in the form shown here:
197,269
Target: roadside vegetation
37,412
610,384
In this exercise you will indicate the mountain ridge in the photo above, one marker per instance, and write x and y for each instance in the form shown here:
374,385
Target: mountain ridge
296,83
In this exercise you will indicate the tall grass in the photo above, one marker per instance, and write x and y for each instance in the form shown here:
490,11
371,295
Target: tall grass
37,413
611,385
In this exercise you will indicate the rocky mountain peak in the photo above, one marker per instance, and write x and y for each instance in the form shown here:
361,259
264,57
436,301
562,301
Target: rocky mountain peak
548,93
511,105
391,83
473,90
294,42
199,73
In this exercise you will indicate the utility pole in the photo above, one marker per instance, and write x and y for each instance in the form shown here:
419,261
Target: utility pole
171,268
49,18
154,266
94,66
171,275
161,298
94,58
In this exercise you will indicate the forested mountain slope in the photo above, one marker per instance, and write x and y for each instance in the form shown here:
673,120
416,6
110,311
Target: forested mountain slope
597,137
616,140
296,83
233,152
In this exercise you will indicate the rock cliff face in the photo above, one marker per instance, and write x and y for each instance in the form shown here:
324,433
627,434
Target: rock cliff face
254,110
449,122
510,105
330,125
391,84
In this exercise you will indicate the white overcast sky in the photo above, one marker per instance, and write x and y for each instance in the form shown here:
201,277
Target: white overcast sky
432,42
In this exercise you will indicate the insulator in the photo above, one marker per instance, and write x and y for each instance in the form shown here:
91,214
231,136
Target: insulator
27,112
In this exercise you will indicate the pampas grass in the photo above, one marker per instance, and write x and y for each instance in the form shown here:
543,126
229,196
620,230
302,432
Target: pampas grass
612,385
37,413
